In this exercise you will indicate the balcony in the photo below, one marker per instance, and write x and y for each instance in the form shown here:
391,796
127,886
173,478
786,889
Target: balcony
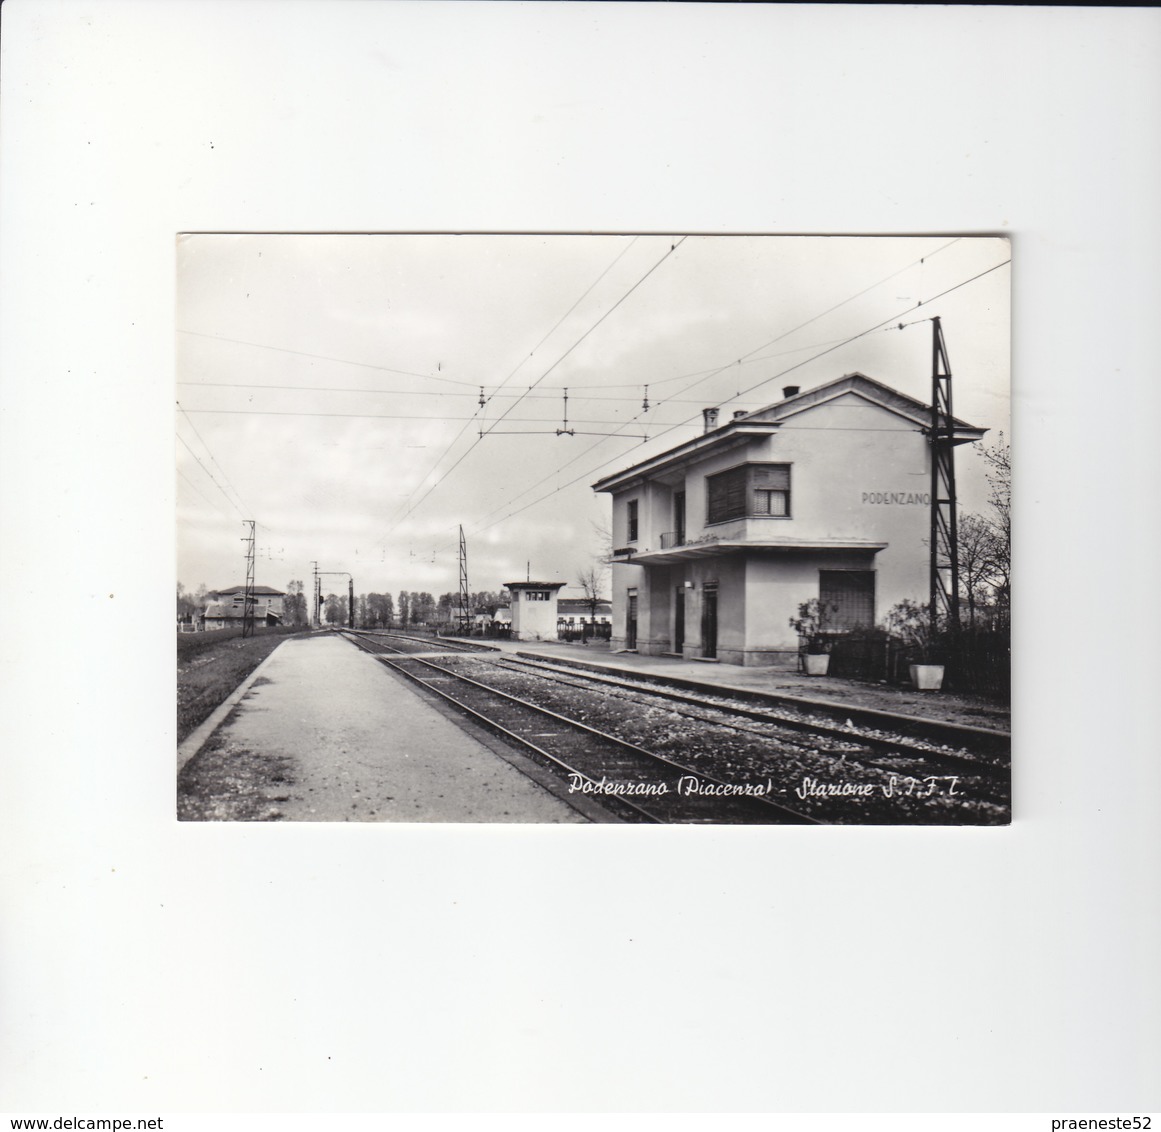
713,544
670,539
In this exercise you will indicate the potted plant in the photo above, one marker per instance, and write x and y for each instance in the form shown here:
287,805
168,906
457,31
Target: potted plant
814,645
910,622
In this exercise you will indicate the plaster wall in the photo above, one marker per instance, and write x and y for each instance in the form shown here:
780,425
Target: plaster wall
533,620
859,472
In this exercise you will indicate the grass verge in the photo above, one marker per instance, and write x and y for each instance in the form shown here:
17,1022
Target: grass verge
211,665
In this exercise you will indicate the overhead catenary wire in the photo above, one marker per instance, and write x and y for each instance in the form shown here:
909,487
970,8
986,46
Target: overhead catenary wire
775,377
327,358
372,416
466,389
704,375
194,487
483,402
482,397
211,475
213,460
672,249
559,322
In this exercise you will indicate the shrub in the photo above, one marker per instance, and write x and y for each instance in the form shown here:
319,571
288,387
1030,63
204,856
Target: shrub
811,625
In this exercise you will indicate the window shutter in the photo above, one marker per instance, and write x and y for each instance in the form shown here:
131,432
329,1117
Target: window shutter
727,495
775,476
728,491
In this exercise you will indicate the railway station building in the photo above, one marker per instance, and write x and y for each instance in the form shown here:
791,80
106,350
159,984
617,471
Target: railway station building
824,494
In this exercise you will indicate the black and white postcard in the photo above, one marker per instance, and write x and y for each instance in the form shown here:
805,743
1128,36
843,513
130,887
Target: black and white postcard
563,528
656,366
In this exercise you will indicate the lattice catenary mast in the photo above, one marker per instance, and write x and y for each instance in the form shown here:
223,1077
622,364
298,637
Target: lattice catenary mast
465,594
249,600
944,540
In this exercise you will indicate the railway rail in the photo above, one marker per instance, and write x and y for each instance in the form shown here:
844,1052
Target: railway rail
410,643
712,708
765,740
651,786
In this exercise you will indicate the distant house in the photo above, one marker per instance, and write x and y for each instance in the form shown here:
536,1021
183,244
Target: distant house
226,608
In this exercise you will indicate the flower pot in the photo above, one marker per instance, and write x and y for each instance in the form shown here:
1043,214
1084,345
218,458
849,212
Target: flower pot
817,663
927,677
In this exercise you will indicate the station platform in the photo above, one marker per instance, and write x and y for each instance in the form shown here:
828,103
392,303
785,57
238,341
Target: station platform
324,732
830,694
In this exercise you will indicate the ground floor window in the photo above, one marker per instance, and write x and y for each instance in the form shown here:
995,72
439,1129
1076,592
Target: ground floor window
848,598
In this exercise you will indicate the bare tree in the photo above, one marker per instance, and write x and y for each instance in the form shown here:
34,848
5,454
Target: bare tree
592,582
999,460
977,568
604,535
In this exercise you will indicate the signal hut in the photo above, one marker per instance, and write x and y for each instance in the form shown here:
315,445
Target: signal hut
534,609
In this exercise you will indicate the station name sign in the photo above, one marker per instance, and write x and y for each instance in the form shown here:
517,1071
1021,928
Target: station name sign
898,497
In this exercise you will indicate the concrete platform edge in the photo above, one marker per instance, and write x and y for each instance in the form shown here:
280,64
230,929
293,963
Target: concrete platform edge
992,739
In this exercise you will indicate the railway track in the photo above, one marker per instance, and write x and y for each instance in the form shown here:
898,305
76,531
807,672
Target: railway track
405,643
718,709
720,740
650,786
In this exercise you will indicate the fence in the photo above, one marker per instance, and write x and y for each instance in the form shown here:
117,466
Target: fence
976,660
602,631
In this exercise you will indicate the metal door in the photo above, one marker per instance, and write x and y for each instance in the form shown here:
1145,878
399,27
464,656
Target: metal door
679,620
709,621
848,598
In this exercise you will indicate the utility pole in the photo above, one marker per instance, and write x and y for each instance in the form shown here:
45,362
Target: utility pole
465,594
944,539
249,600
314,593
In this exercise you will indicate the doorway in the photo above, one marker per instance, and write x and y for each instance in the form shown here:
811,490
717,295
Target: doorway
679,620
848,596
709,621
631,622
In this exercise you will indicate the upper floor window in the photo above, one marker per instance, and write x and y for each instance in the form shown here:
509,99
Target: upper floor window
537,595
631,508
748,490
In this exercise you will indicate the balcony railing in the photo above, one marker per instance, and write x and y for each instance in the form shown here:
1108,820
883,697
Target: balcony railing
670,539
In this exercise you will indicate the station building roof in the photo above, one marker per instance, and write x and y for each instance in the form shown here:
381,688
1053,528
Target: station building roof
765,422
259,591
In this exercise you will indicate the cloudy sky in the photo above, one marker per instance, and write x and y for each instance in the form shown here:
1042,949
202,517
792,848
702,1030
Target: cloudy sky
330,386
